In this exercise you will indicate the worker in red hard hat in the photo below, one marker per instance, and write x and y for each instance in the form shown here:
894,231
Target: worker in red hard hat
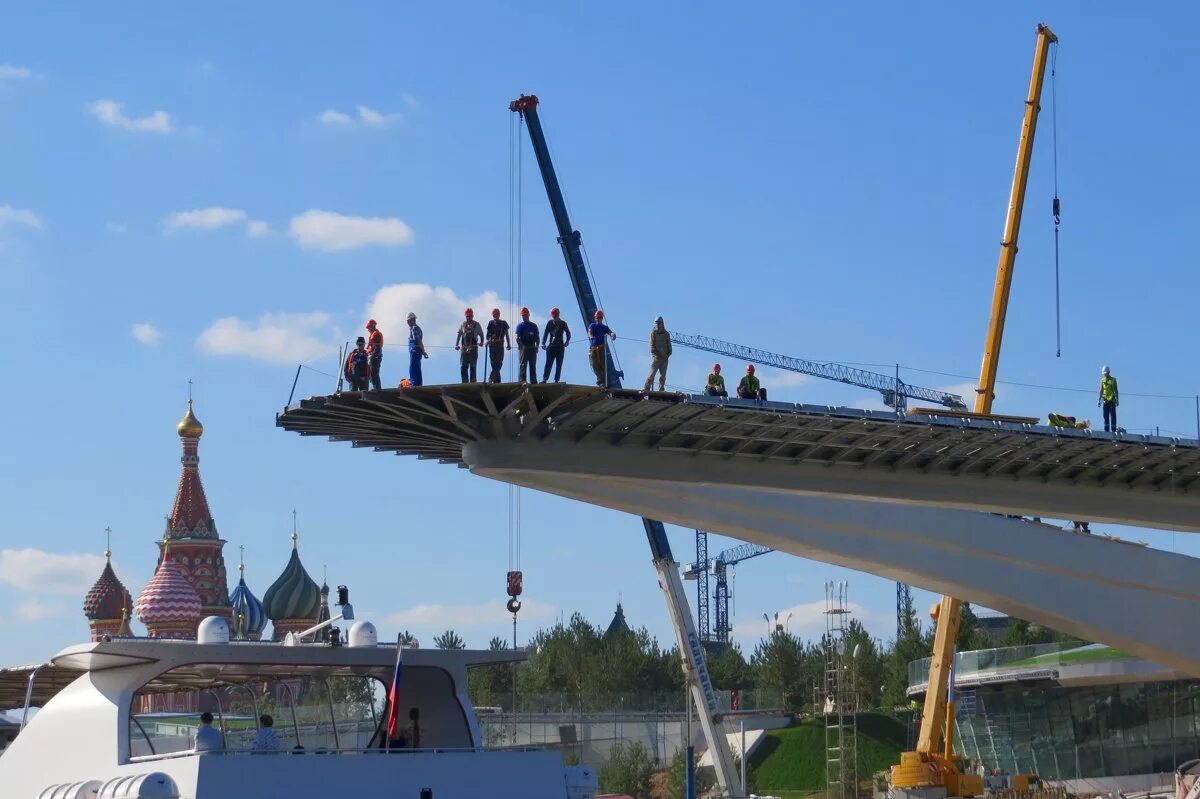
467,341
555,339
660,353
374,352
715,387
749,387
598,336
497,342
528,339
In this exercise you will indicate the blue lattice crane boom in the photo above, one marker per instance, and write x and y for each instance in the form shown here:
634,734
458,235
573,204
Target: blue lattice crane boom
895,391
717,566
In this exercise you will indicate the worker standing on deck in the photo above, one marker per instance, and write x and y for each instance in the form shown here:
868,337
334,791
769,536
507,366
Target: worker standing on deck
660,353
416,350
374,352
1110,398
358,366
715,387
597,333
555,339
470,336
497,341
527,335
749,387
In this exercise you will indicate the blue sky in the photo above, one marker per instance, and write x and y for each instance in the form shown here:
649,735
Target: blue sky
216,195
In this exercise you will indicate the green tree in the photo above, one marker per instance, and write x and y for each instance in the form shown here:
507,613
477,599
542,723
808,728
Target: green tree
677,776
628,770
729,670
970,635
449,640
866,659
781,663
1021,633
912,645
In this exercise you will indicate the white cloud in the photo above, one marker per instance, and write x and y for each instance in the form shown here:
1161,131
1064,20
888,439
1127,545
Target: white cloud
439,310
18,216
32,610
49,572
204,219
377,119
256,228
147,333
112,113
331,232
331,117
807,622
9,72
276,338
459,617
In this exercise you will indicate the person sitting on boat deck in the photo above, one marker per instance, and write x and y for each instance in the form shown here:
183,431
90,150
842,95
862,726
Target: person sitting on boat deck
412,732
416,350
497,342
1081,527
660,353
375,350
208,737
555,338
749,387
528,338
265,739
358,366
715,386
597,351
468,339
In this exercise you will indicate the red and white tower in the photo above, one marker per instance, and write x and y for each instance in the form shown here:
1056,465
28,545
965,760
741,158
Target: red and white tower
108,603
195,548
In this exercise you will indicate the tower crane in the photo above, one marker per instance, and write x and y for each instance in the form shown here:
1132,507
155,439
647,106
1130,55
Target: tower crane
931,766
717,567
669,580
895,391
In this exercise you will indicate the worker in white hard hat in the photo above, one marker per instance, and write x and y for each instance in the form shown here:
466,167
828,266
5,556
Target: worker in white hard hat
1109,399
416,350
660,353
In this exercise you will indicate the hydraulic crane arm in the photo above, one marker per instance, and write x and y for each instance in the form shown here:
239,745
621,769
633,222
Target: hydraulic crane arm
894,391
660,547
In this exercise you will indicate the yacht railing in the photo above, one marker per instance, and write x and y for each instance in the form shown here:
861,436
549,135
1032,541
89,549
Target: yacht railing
29,693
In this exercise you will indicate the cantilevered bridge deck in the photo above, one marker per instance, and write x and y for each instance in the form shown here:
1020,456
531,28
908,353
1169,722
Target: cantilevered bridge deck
825,451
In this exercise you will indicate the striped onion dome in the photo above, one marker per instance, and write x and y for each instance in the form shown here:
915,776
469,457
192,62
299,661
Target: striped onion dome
168,598
107,598
247,607
293,595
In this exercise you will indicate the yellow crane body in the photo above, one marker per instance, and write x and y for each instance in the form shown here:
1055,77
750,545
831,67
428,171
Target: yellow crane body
928,766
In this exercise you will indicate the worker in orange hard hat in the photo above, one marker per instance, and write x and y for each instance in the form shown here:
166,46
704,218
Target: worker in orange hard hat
528,340
598,336
660,353
467,342
497,342
555,339
374,352
715,386
749,387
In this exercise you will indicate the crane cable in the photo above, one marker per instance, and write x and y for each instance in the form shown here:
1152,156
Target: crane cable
1057,205
515,279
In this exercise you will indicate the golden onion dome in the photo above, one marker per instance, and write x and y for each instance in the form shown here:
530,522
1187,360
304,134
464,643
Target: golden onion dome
189,426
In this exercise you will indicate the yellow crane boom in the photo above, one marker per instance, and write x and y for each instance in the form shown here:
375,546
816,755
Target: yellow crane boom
928,766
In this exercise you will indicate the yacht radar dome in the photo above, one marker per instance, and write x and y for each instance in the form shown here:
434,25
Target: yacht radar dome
213,630
363,633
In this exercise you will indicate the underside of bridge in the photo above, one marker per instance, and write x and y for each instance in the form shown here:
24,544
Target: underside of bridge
891,496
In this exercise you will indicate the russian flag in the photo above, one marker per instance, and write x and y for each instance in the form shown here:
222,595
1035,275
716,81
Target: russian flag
393,718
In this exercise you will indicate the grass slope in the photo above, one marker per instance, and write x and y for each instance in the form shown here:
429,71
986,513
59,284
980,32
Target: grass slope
794,758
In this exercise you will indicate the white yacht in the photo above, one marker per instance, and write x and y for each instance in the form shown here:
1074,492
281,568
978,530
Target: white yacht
117,719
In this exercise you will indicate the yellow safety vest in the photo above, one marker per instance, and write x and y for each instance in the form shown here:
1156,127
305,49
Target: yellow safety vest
1108,388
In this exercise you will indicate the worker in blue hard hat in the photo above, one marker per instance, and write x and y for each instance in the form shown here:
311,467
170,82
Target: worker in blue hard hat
1109,399
749,387
715,386
660,353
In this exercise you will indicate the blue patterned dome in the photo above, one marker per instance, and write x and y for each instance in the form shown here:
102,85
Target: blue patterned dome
294,595
247,610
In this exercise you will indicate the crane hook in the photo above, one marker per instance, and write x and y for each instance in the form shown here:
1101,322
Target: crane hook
513,605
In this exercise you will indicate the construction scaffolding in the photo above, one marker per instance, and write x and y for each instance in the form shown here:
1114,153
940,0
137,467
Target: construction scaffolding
840,704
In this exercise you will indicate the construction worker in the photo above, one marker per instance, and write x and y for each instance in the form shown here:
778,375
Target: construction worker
597,352
1059,420
416,350
498,341
358,366
660,352
1109,399
467,341
528,337
374,352
715,387
555,339
749,387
